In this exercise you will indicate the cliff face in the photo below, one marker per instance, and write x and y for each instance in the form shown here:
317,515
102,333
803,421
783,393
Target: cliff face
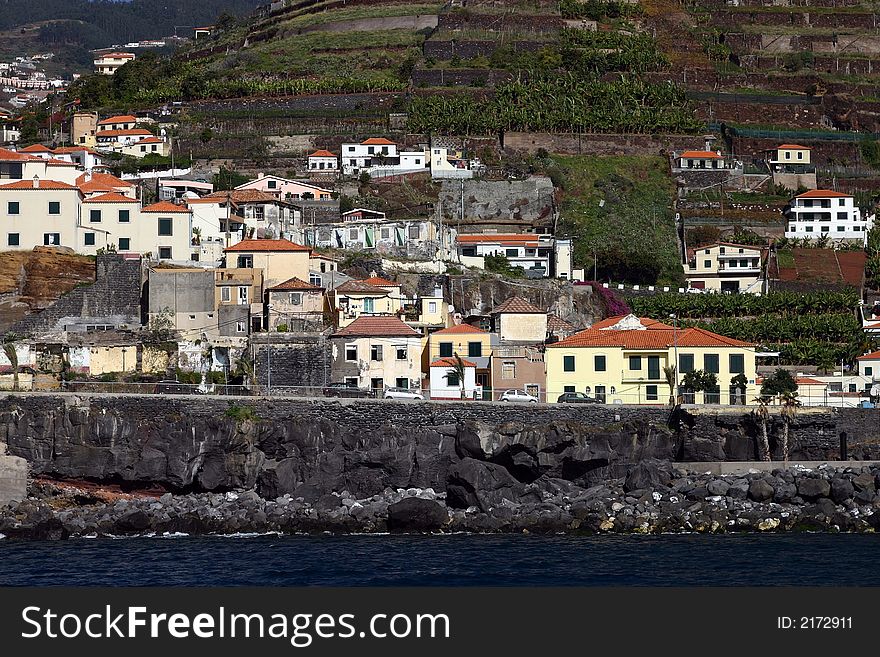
312,447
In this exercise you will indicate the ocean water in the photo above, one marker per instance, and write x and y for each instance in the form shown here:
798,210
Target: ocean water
450,560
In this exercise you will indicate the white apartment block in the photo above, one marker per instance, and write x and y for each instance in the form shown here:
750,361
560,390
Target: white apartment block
823,212
539,255
108,63
726,267
381,157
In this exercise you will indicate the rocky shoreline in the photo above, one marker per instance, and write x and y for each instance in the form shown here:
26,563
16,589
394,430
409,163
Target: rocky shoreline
653,497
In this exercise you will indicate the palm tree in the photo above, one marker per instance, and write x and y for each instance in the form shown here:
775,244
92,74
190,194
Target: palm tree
457,371
789,403
763,416
670,374
12,355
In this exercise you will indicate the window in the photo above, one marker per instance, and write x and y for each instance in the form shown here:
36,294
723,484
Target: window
353,233
600,393
315,279
124,216
508,369
840,229
445,349
721,250
401,353
95,217
89,239
272,184
386,233
369,305
452,379
240,327
568,363
351,352
800,155
225,293
54,207
295,298
713,395
511,253
376,352
737,364
635,363
164,253
12,239
245,262
710,363
841,216
124,243
351,150
13,207
787,155
686,363
414,232
51,239
808,229
475,349
401,383
825,229
568,389
165,226
651,393
242,295
841,202
599,363
432,306
143,149
869,371
653,367
707,264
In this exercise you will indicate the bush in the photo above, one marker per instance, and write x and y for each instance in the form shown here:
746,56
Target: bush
281,328
192,378
499,264
241,413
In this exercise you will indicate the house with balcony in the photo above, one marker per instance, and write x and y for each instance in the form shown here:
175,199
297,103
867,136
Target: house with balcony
826,213
621,360
381,157
108,63
541,256
362,297
117,140
364,230
726,267
467,341
377,352
117,122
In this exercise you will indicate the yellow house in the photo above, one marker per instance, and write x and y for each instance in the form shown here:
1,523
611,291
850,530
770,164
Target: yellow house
726,267
516,320
621,360
469,342
790,154
280,260
355,298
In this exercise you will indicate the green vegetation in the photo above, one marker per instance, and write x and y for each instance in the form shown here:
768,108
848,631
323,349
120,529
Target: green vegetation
832,327
587,52
356,13
779,383
499,264
598,9
702,306
191,378
619,208
228,179
241,413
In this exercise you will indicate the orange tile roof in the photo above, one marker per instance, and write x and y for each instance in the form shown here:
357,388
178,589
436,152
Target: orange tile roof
123,133
60,163
110,197
127,55
376,141
516,305
874,355
151,140
655,336
244,196
165,206
794,147
36,148
360,287
378,281
266,246
73,149
451,362
822,193
378,326
43,184
216,201
121,118
294,284
806,381
459,328
101,182
702,154
322,153
12,156
489,238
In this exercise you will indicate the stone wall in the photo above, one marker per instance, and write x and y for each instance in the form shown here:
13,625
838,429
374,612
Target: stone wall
297,361
590,144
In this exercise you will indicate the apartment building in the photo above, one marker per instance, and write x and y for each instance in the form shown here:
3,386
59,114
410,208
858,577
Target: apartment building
726,267
826,213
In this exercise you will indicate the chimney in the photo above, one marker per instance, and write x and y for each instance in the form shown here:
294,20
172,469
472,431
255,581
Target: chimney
36,181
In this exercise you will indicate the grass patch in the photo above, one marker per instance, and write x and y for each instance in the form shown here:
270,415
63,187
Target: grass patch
633,231
785,259
241,413
356,13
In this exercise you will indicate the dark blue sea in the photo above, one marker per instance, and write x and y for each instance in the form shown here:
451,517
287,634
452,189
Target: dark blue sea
456,560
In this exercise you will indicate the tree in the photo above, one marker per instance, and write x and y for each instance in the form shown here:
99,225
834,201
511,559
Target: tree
790,403
670,374
12,356
779,383
699,381
228,179
763,415
206,135
456,372
739,383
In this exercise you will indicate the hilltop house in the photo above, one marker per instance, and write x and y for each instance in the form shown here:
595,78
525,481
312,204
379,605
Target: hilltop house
322,160
826,213
379,156
700,160
109,63
726,267
621,360
539,255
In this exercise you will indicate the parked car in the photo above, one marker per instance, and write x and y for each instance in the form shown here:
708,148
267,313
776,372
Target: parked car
518,396
402,393
345,389
172,387
576,398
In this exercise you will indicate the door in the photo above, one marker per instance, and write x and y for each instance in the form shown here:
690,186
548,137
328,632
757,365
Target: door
368,305
730,286
653,367
369,238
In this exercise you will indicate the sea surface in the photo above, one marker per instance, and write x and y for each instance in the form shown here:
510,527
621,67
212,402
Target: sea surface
449,560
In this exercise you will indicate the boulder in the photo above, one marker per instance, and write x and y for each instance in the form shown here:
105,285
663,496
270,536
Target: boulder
812,488
760,490
416,514
648,474
480,484
718,487
864,482
841,489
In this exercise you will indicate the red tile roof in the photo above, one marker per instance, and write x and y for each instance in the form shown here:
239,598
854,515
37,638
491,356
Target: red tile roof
874,355
12,156
556,323
321,153
378,281
655,336
244,196
150,140
459,328
377,141
110,197
516,305
43,184
294,284
451,362
101,182
708,155
490,238
60,163
263,246
73,149
165,206
794,147
123,133
121,118
360,287
36,148
822,193
377,326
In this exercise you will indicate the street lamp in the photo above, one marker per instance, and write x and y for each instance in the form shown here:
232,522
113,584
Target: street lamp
674,319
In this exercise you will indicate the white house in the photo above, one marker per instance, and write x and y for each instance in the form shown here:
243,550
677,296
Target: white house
445,383
117,122
381,157
540,255
701,160
286,189
446,165
116,140
151,145
177,189
109,63
322,160
824,212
